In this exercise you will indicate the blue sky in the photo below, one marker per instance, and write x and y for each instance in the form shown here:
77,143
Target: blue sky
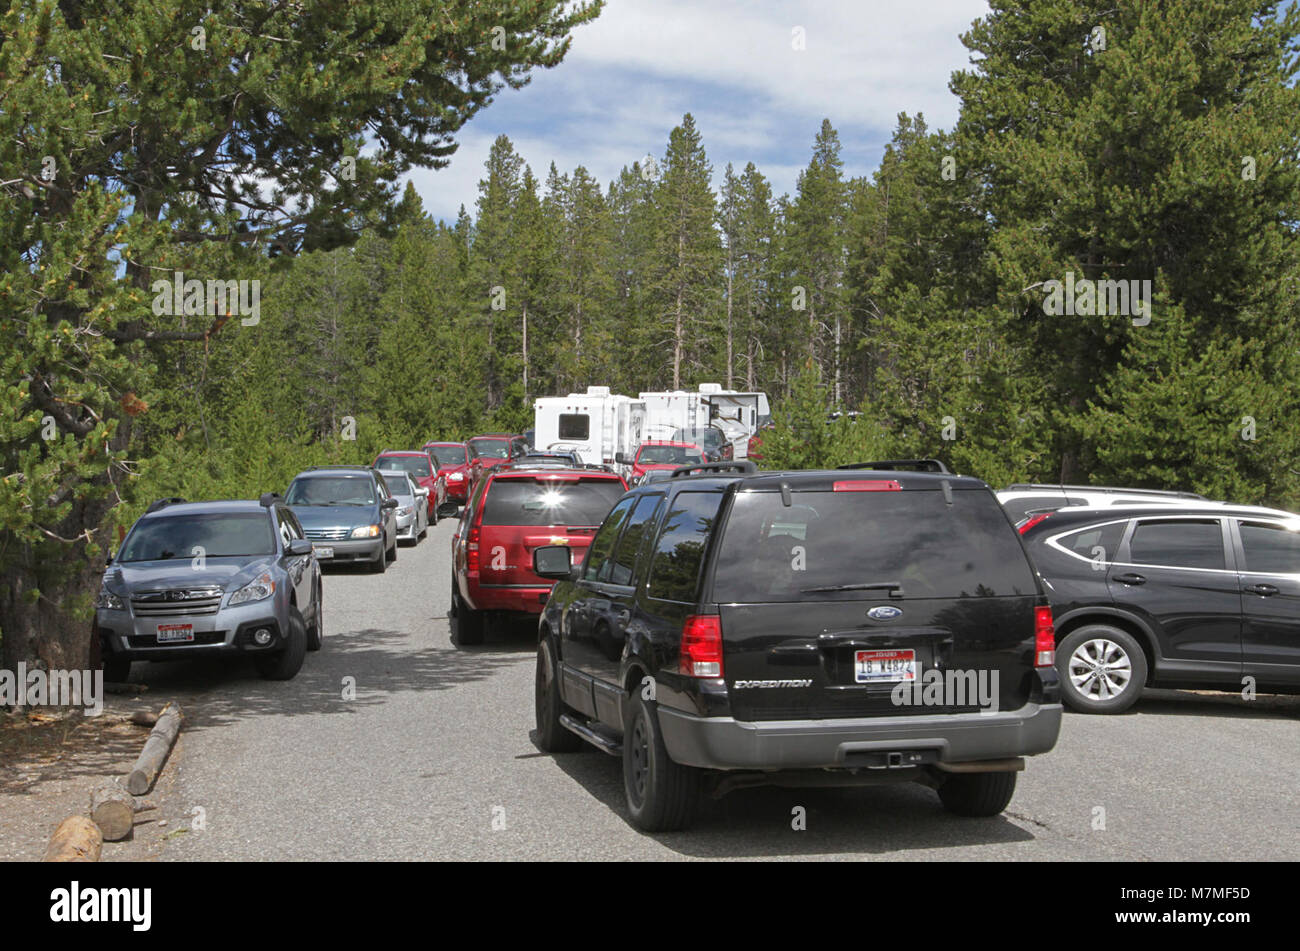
631,75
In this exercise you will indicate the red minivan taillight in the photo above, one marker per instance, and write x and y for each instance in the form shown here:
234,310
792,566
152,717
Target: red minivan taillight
701,654
1044,638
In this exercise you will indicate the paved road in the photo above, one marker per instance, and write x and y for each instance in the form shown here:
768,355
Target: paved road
432,759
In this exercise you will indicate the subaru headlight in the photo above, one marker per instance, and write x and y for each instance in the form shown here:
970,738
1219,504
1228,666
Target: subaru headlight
256,590
108,600
366,531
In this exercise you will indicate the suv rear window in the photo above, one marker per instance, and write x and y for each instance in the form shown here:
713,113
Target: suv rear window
1178,544
550,501
771,552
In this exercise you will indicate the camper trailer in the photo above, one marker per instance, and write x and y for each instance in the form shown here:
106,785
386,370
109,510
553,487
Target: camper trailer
738,414
597,425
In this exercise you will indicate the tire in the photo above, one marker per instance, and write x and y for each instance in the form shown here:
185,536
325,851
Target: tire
977,794
116,669
285,664
551,736
316,633
662,796
380,564
392,552
470,624
1092,661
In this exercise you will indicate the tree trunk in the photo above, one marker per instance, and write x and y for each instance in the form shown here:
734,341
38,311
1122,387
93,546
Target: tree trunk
525,341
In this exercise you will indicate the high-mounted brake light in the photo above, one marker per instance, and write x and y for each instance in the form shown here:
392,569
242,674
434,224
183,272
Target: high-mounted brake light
867,485
1044,638
701,653
1030,522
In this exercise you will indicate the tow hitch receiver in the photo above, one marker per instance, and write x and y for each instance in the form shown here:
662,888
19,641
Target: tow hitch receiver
891,759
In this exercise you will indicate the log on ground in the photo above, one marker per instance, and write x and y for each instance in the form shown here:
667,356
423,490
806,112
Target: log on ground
77,839
113,810
155,751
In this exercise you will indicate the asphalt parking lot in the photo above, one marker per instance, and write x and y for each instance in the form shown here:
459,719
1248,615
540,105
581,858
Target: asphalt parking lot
393,743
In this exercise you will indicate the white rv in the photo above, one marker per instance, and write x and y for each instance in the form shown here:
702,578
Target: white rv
738,414
597,425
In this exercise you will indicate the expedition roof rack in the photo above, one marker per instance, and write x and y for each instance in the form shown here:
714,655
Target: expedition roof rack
734,465
921,465
1103,488
163,503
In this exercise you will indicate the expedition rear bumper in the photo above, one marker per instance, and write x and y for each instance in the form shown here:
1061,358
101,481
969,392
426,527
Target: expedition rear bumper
726,743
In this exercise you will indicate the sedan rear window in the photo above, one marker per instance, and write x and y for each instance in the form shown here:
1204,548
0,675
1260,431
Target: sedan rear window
869,545
582,502
213,536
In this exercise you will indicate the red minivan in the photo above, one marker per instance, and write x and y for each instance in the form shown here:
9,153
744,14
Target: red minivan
511,512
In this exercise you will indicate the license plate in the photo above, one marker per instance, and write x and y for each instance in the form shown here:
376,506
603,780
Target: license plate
323,551
875,667
171,633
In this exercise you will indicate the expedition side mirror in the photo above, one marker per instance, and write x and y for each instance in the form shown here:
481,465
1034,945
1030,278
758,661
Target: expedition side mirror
299,546
553,561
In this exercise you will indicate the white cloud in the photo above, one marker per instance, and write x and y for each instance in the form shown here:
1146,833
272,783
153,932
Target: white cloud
632,73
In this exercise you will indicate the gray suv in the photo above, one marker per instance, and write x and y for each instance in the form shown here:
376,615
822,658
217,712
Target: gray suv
199,578
347,512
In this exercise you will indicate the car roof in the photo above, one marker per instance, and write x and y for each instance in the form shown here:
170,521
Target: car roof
348,471
668,442
494,436
1030,490
402,452
531,469
435,443
1093,513
216,507
824,479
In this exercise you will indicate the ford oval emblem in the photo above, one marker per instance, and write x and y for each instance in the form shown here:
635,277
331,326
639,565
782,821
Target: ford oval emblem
884,612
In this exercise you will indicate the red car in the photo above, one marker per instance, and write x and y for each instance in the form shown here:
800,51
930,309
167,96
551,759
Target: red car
663,454
453,462
487,452
423,469
512,512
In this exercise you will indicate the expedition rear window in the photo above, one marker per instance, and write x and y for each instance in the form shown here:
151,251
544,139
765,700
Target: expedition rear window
550,501
853,545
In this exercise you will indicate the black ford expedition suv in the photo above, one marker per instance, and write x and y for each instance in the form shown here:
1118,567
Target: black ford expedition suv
729,628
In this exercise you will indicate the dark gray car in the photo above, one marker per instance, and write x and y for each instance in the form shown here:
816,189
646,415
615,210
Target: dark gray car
348,513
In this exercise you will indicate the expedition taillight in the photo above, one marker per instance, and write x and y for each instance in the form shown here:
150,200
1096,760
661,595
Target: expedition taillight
701,651
1044,637
867,485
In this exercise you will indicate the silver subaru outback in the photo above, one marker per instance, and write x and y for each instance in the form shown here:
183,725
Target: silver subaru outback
194,579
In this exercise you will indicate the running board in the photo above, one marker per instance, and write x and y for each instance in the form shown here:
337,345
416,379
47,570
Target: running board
594,735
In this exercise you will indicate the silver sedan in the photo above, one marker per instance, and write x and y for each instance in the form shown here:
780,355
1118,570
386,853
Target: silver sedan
412,505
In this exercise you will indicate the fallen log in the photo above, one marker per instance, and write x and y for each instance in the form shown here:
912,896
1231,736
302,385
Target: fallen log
113,810
77,839
155,751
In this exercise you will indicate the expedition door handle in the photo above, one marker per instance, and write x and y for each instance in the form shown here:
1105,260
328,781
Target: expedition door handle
1130,577
1263,590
